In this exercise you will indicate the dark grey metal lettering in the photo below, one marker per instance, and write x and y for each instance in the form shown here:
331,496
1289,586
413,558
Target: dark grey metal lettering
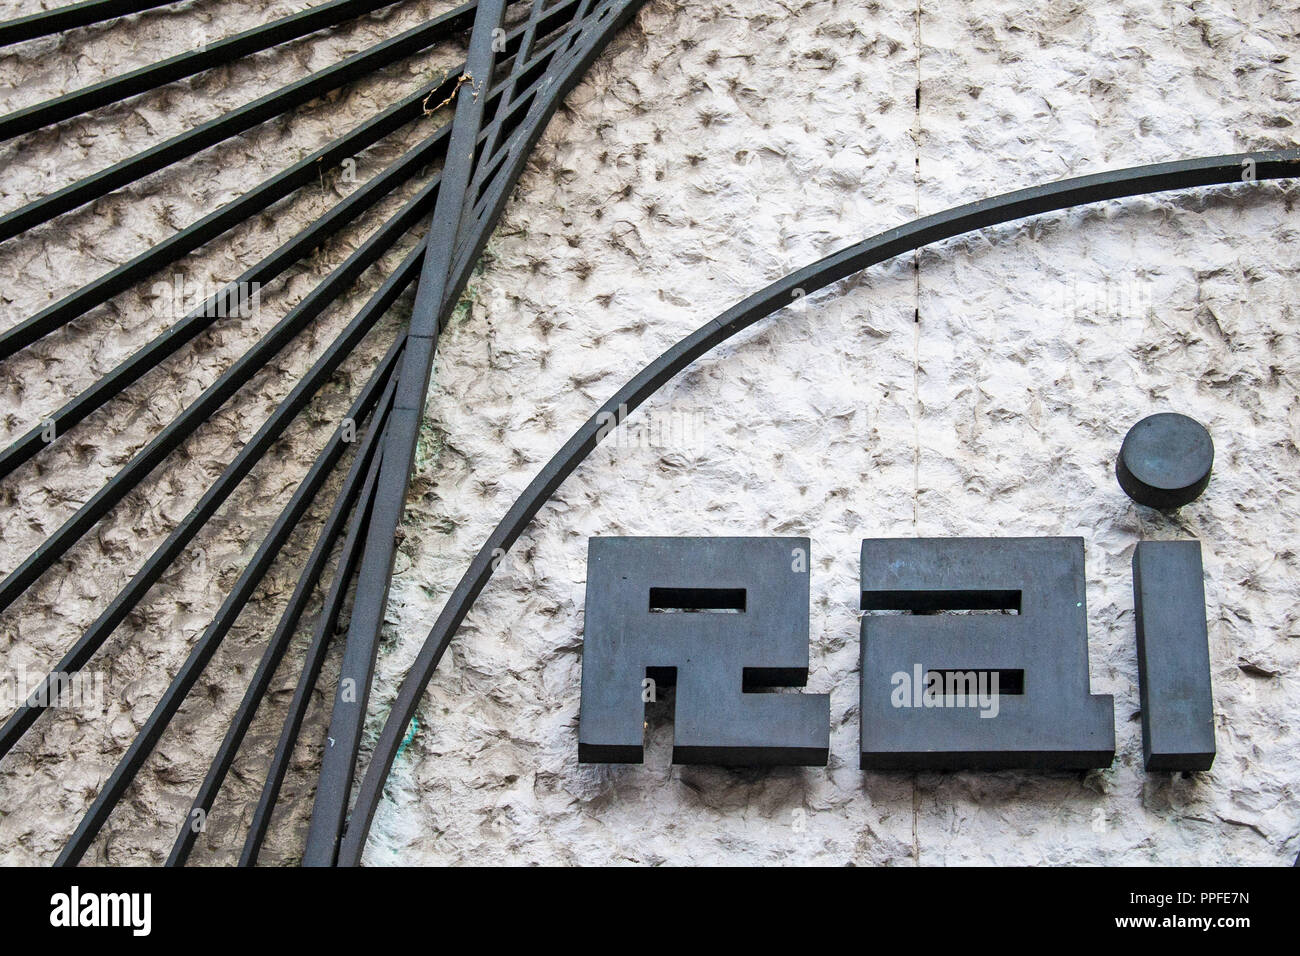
979,690
719,617
1173,656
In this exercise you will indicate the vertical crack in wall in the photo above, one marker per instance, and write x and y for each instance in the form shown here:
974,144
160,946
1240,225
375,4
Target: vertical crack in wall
916,288
916,375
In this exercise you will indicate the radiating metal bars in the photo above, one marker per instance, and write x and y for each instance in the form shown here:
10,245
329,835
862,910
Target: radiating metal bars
538,58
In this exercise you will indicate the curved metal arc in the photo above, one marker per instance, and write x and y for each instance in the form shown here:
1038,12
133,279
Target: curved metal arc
314,659
492,189
534,28
1161,177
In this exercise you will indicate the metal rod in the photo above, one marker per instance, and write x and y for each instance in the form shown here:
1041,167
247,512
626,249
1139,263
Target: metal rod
204,316
533,28
349,495
441,283
488,146
67,18
326,627
216,395
339,758
1216,170
514,155
115,89
207,645
232,214
166,553
234,122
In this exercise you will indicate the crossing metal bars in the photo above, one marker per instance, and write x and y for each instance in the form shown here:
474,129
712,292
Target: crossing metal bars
523,58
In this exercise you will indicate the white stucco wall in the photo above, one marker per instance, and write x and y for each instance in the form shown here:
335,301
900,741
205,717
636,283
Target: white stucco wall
981,387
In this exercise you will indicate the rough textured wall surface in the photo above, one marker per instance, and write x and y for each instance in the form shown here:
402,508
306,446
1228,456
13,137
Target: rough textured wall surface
981,387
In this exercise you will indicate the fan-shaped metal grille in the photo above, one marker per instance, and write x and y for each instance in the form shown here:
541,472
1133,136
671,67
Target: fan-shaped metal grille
522,58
